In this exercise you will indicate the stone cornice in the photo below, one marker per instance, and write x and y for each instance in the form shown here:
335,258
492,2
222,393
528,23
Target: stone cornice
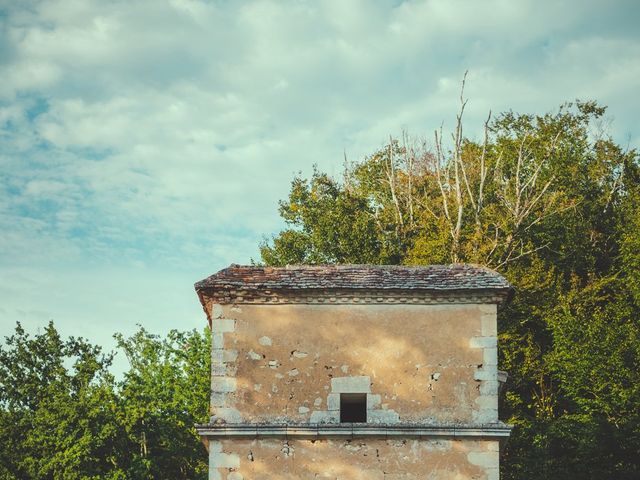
348,430
352,297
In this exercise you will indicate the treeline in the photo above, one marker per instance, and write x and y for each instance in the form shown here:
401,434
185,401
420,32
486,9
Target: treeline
63,415
552,203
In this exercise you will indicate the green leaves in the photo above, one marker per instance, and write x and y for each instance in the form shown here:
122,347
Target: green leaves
64,416
596,352
552,203
53,422
163,395
337,225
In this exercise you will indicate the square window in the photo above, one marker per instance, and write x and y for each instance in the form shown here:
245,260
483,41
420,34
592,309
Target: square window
353,407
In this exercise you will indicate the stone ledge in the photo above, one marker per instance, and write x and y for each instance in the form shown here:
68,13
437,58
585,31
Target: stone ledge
351,430
354,297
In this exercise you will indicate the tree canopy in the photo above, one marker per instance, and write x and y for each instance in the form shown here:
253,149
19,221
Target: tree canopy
63,415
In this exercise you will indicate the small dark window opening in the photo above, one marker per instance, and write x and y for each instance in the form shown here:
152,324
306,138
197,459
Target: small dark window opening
353,407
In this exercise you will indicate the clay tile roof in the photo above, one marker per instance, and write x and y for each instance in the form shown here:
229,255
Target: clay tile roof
460,277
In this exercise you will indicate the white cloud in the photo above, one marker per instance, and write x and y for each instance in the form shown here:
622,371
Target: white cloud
157,136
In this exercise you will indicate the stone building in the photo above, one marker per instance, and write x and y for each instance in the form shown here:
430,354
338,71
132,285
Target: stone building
354,372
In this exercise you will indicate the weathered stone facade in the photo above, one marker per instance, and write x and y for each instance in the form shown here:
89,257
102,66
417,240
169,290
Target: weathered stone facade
423,359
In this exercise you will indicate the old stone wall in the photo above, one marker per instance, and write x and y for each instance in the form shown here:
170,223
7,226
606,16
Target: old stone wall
369,459
288,363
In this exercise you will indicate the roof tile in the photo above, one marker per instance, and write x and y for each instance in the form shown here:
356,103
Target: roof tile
358,277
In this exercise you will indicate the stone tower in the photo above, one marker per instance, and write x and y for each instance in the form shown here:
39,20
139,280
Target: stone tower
354,372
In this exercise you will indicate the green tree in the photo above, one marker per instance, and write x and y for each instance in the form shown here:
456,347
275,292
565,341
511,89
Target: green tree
56,408
163,395
64,416
552,203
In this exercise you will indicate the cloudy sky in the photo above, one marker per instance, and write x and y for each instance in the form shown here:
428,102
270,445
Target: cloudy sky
145,144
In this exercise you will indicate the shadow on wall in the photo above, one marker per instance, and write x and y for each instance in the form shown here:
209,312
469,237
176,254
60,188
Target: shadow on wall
356,459
418,358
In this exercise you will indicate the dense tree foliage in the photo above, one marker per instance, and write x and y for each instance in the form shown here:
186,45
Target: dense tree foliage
63,415
549,201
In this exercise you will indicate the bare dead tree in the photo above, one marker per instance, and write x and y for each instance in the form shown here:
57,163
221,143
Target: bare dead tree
462,179
522,196
409,165
446,184
442,179
346,172
527,200
390,170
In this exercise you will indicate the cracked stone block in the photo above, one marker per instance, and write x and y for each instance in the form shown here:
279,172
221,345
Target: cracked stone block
373,401
483,342
490,356
359,384
224,460
217,340
223,384
485,375
216,311
223,325
333,401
